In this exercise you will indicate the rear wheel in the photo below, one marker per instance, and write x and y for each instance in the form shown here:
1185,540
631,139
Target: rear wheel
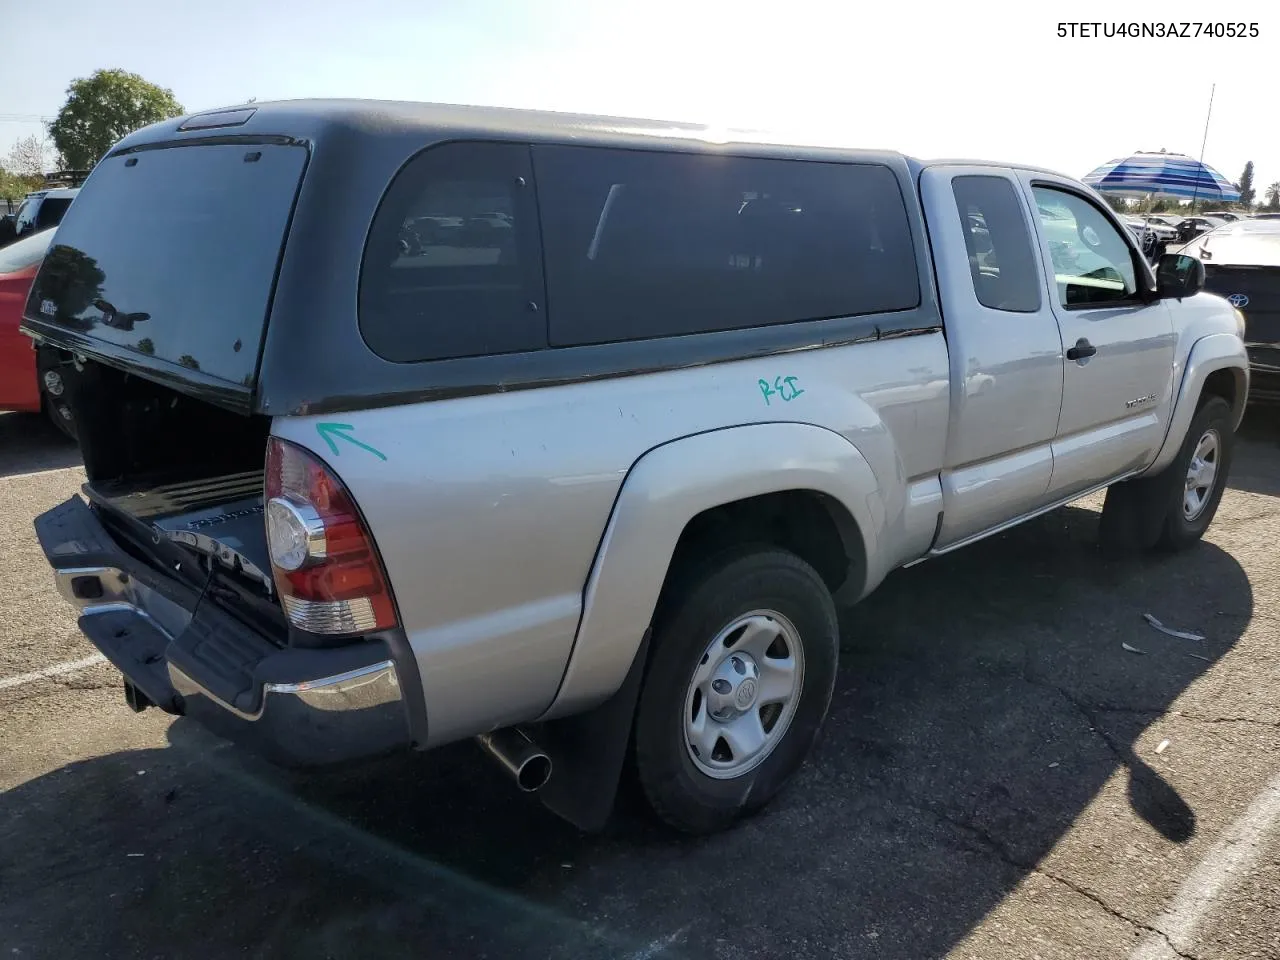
738,685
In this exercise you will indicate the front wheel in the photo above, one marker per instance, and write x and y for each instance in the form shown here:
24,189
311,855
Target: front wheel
738,685
1201,467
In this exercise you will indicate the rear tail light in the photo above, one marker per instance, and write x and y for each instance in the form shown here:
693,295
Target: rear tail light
325,565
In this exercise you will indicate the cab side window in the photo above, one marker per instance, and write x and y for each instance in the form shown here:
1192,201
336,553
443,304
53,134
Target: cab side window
1092,263
1001,258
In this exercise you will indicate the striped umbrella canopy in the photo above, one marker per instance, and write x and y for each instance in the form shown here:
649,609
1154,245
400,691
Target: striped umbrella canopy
1162,175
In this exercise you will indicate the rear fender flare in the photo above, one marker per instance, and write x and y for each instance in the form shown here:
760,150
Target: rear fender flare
664,490
1218,351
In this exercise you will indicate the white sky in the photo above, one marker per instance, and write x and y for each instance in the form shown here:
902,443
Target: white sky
989,80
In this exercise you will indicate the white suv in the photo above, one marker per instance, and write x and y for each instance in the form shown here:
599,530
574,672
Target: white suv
43,208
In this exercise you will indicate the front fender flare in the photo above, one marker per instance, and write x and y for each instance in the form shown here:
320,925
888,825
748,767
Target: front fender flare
1217,351
662,492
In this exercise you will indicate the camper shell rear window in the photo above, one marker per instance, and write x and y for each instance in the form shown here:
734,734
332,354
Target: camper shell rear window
168,256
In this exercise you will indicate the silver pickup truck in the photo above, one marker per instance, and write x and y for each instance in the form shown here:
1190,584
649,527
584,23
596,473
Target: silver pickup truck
407,423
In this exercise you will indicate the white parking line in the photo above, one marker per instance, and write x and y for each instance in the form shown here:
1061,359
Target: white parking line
57,670
1228,860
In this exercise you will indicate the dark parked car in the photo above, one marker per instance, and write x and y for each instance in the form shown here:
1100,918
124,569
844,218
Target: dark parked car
1192,227
1242,263
43,209
1154,235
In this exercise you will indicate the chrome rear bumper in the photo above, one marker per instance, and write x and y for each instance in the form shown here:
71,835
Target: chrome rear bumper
361,689
300,707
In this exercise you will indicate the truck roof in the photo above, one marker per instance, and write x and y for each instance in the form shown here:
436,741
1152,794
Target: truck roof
323,169
54,192
315,119
919,165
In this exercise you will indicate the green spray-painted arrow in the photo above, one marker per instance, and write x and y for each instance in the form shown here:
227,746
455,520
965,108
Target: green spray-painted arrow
328,432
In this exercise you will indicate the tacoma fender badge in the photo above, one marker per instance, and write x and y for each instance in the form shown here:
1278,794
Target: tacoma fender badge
1130,404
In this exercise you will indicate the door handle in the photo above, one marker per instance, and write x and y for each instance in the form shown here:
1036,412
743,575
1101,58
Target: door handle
1081,350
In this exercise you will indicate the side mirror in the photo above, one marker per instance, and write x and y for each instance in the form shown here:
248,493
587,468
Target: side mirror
1178,275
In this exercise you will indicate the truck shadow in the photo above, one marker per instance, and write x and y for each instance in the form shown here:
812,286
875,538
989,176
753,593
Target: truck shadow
29,442
984,700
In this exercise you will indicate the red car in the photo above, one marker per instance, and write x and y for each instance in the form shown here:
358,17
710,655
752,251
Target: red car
21,386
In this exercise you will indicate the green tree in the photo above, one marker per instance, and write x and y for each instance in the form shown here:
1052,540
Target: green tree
1273,196
102,109
1245,186
14,186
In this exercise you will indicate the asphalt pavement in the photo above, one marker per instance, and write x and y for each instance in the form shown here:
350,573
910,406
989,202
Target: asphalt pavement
1017,765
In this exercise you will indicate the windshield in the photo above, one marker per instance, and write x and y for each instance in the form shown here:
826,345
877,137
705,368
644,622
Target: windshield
26,252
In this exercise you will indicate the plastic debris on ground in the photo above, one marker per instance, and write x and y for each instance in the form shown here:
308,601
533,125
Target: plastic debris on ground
1181,634
1164,745
1131,649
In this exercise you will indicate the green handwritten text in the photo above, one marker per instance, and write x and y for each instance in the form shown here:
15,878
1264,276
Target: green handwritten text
784,388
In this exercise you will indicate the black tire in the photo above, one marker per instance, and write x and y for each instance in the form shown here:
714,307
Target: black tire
1148,513
697,606
1178,532
59,415
55,406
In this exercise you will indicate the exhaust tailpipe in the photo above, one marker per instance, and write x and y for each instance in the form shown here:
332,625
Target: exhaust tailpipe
518,756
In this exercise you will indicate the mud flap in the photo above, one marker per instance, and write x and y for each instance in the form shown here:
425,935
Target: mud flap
588,751
1134,512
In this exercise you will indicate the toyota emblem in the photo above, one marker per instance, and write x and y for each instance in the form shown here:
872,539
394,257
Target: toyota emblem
1238,300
